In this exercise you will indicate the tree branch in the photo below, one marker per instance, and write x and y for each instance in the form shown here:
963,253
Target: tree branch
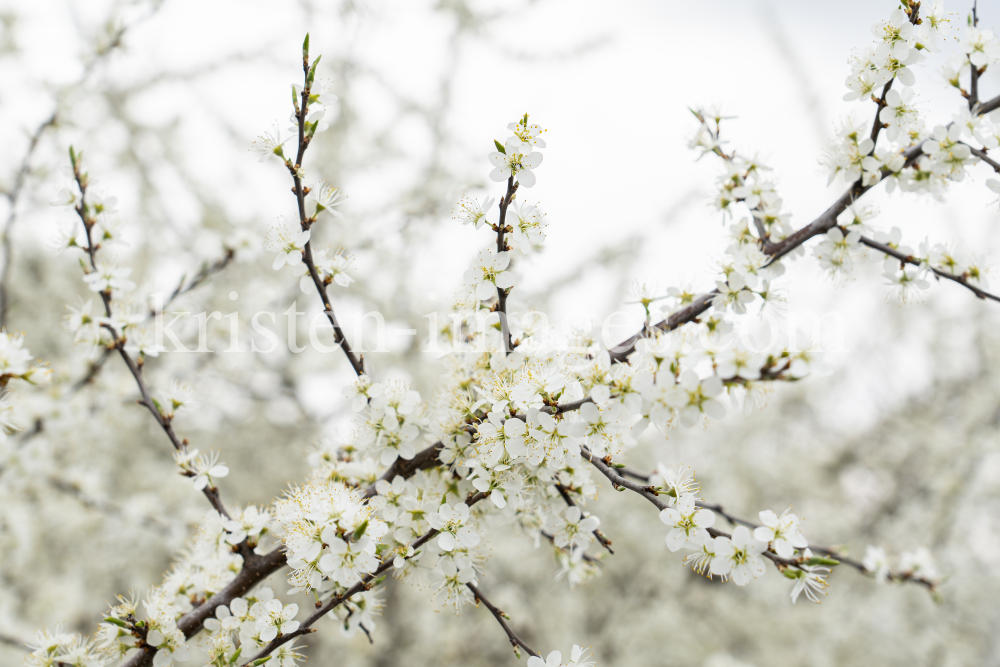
210,492
356,361
502,618
651,494
962,280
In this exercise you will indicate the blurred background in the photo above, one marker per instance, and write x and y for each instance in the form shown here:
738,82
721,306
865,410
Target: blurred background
900,447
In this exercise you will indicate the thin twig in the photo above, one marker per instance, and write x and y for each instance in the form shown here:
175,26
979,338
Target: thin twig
651,494
356,361
16,643
601,537
501,227
502,618
909,259
13,197
210,492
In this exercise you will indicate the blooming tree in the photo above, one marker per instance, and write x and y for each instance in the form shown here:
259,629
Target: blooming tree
527,426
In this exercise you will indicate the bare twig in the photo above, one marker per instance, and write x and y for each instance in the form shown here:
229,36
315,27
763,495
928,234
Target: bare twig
16,643
502,619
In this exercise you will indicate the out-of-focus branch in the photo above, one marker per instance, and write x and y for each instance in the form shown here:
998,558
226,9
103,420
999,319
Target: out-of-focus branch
204,273
13,198
183,287
13,195
11,641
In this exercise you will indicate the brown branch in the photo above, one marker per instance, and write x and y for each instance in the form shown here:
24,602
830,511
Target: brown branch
13,197
363,585
651,494
424,459
974,71
206,272
502,246
822,224
962,280
210,492
356,361
552,539
981,154
502,618
16,643
255,570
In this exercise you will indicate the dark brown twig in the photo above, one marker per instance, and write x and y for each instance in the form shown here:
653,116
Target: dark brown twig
164,421
909,259
501,228
356,361
502,619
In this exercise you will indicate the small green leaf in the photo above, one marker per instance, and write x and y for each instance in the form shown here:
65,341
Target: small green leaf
618,465
305,46
499,146
236,656
116,621
792,573
819,560
312,70
261,661
525,121
360,530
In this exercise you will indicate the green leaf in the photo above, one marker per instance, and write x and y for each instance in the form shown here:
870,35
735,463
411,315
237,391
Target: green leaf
499,146
792,573
360,530
819,560
116,621
305,46
525,121
236,656
312,70
261,661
